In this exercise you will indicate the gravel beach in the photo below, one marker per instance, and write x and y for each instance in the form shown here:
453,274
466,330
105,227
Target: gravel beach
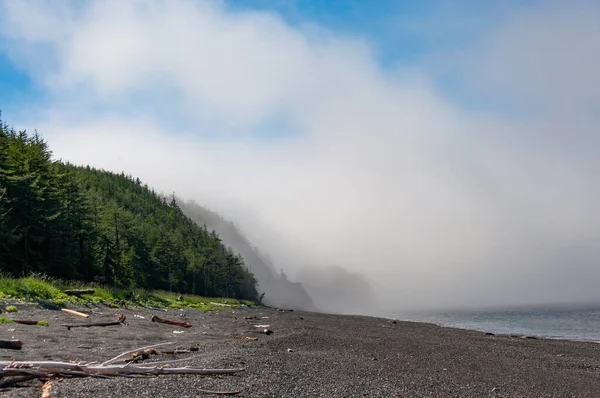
307,355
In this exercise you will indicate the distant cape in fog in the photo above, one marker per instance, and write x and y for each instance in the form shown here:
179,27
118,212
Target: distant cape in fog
279,291
316,288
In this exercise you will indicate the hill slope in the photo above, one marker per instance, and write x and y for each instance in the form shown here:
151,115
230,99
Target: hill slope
87,224
279,291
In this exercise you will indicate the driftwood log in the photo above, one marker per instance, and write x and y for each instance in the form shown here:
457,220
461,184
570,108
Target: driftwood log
75,312
14,380
221,304
11,344
50,368
119,322
79,292
12,370
25,321
170,322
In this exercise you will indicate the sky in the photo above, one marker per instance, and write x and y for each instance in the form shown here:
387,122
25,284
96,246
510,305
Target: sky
444,149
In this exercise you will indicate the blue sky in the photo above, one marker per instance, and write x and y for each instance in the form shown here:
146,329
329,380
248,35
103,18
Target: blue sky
15,86
401,33
401,30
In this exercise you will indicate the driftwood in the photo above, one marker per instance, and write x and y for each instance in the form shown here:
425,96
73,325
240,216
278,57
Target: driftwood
15,371
50,368
119,322
170,322
75,312
11,344
136,350
221,304
79,292
182,350
141,355
25,321
14,380
46,389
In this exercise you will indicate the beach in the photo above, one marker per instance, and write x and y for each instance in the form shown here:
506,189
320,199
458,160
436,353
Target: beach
307,355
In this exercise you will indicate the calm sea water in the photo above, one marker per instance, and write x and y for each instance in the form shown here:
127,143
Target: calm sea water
580,324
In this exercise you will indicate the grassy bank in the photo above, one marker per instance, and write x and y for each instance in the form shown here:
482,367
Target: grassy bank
44,290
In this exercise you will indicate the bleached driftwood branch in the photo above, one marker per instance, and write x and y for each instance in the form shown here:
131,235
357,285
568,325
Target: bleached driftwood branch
221,304
18,369
49,368
132,351
81,314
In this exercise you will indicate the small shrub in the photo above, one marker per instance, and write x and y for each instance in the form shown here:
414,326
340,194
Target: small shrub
59,302
11,308
43,323
5,320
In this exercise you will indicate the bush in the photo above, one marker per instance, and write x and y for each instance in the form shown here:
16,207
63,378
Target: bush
59,302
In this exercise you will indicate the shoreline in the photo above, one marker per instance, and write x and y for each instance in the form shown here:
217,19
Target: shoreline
511,335
331,355
33,305
484,331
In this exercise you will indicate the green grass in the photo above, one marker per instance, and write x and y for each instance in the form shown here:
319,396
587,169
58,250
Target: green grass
11,308
41,289
6,320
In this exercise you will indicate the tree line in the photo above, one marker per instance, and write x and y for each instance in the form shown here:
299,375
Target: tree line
81,223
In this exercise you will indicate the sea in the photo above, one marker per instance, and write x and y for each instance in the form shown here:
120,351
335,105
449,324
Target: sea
578,323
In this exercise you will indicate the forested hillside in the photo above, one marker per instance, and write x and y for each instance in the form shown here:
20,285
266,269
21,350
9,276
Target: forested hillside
278,290
86,224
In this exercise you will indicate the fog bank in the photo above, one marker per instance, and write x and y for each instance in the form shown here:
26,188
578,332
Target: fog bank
484,194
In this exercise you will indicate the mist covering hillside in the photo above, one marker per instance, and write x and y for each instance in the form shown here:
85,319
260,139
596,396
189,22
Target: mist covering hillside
278,289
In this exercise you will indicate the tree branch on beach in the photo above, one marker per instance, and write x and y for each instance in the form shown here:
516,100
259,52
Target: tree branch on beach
170,322
14,371
119,322
81,314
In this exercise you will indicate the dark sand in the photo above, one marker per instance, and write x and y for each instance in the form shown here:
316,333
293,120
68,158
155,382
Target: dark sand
333,356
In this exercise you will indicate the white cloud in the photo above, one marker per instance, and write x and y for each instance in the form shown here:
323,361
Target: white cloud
437,204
